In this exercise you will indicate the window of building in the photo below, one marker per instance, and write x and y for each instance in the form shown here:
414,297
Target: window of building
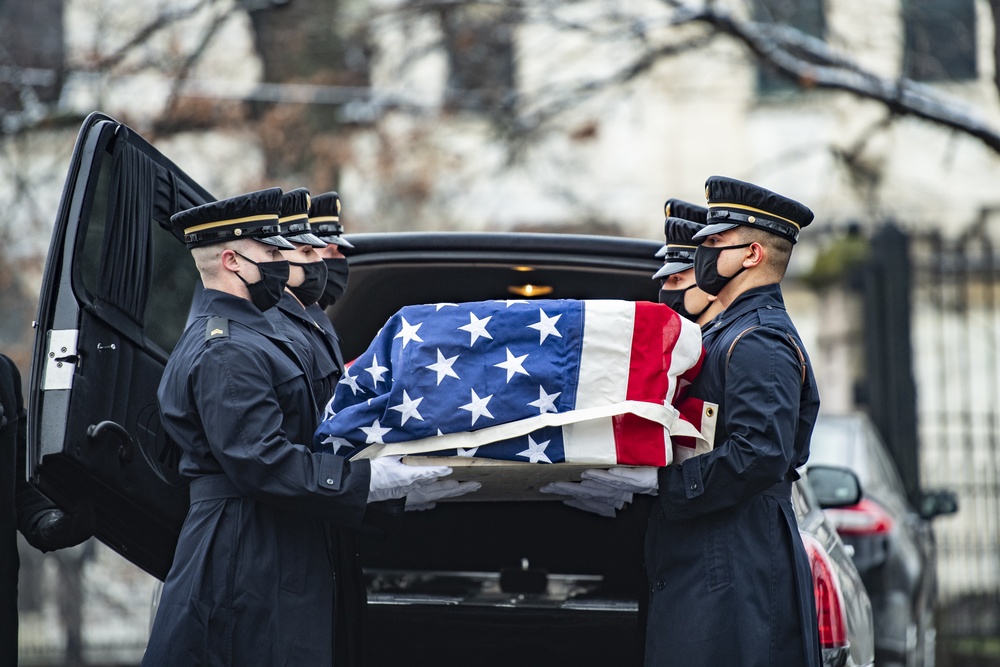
940,40
803,15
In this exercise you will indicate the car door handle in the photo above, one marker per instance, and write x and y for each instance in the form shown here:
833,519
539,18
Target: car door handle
126,448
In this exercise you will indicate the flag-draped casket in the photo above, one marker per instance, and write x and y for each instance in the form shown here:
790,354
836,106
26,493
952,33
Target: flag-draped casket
547,381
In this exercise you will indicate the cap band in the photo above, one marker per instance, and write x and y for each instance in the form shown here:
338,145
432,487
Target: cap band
744,207
232,221
252,233
324,218
297,216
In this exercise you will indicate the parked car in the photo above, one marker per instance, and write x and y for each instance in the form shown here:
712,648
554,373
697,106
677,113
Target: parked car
892,541
490,582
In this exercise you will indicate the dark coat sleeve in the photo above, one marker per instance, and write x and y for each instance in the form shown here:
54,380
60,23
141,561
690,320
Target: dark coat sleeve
31,504
761,397
242,421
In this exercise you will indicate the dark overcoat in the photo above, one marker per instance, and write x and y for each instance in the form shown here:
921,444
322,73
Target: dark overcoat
313,345
252,581
729,578
318,314
318,346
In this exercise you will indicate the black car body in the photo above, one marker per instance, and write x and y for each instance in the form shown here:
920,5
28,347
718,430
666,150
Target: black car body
892,542
493,582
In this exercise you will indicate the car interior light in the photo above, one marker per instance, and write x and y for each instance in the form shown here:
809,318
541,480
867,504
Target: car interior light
831,614
530,290
865,518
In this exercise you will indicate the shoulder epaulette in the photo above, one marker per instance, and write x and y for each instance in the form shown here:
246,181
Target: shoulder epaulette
218,327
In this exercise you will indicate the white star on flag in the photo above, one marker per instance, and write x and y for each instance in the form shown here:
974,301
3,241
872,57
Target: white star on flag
468,453
443,304
443,367
546,326
408,408
351,381
545,402
336,443
476,328
375,370
375,433
477,407
513,364
408,332
511,302
536,451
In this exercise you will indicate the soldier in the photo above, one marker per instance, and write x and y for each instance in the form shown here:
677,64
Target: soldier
23,507
316,345
251,581
324,217
730,582
679,290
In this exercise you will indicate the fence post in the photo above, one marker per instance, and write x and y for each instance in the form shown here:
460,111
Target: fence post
890,389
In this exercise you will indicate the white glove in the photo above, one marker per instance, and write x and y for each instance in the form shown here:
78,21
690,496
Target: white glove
633,480
391,478
590,496
425,497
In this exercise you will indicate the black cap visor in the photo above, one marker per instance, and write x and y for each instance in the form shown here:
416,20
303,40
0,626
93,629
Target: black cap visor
276,241
670,268
716,228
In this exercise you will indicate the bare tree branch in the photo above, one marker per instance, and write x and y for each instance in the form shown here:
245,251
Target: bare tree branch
181,75
814,65
161,21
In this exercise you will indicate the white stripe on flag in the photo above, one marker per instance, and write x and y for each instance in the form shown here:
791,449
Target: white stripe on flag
602,381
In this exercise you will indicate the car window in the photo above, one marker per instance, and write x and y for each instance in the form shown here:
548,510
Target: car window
124,252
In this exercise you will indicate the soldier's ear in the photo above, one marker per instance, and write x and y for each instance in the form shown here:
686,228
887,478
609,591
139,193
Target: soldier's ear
757,253
230,260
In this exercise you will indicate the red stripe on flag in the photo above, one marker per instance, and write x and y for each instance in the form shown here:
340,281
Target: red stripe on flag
639,441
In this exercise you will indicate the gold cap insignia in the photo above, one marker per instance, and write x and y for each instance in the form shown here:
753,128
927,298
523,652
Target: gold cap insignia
338,207
666,209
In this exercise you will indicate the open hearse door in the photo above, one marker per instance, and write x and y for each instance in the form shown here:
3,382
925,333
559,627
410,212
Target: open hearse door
115,295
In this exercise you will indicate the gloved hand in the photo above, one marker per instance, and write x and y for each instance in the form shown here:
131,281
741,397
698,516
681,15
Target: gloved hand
391,478
425,497
53,529
590,496
633,480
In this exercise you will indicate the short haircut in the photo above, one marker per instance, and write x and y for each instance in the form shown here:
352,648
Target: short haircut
206,258
779,249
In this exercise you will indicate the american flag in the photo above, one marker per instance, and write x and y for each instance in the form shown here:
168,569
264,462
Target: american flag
543,381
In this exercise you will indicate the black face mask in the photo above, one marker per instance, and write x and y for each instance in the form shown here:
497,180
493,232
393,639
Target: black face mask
336,280
314,284
706,268
675,299
266,292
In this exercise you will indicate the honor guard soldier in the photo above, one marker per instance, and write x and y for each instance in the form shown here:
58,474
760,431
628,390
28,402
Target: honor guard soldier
252,582
679,289
307,280
678,208
324,217
730,582
24,508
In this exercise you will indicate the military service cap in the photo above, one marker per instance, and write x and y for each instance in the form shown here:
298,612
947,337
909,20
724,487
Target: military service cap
253,215
295,218
732,203
324,215
678,208
680,248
